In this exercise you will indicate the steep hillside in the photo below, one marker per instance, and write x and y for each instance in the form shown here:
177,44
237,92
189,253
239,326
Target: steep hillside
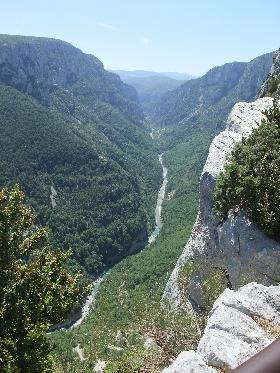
233,245
73,136
231,248
204,103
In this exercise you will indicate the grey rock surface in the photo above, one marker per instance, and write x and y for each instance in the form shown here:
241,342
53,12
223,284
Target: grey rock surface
240,324
236,246
56,73
188,362
232,334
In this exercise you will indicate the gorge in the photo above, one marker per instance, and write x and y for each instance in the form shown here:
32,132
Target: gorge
124,200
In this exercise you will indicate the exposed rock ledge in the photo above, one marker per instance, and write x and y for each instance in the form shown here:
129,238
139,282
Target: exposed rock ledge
240,324
237,246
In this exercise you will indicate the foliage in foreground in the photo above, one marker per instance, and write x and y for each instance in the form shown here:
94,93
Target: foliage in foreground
251,179
36,290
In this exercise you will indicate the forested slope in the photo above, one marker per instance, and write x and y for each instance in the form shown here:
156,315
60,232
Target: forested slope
73,136
203,104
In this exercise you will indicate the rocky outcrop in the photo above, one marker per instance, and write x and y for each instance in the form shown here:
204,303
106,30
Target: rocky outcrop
236,246
240,324
271,86
188,362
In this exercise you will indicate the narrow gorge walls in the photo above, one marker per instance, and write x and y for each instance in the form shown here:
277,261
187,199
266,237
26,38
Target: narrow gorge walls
236,246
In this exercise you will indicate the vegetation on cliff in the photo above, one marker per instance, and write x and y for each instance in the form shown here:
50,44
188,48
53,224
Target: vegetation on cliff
251,179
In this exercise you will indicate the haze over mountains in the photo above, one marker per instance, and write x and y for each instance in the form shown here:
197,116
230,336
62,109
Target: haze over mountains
151,86
203,104
148,74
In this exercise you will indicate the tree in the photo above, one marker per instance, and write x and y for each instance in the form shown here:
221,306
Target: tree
36,289
251,179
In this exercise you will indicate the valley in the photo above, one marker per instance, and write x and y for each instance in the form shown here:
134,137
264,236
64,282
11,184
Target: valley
88,304
116,169
128,300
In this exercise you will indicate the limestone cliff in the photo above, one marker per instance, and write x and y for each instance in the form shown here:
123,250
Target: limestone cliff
56,73
235,245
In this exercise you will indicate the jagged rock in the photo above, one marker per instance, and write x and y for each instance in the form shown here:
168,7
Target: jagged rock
253,300
240,324
188,362
236,246
232,335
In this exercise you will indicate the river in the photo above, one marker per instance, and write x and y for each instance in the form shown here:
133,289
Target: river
158,220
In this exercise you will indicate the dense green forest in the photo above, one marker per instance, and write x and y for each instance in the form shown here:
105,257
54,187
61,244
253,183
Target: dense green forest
129,298
73,136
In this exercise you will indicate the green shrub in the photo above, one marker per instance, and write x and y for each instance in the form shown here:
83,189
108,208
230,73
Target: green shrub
251,179
36,290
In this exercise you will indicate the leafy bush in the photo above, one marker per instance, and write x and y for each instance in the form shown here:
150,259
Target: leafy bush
251,179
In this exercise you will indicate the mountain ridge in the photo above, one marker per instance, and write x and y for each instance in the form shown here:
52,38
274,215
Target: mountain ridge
89,143
217,90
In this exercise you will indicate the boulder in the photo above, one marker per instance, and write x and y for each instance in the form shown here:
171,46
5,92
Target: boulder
240,324
188,362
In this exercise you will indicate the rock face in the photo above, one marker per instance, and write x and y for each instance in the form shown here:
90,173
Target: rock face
188,362
240,324
236,246
44,68
205,102
272,84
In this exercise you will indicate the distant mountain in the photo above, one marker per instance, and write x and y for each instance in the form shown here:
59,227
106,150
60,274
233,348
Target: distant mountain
151,89
179,76
205,102
151,86
73,136
147,74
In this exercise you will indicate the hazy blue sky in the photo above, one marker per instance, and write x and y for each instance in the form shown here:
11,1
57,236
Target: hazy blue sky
161,35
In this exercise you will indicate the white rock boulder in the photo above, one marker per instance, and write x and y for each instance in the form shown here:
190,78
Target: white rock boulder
188,362
232,335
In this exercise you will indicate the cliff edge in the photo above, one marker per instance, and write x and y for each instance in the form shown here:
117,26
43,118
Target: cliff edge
235,246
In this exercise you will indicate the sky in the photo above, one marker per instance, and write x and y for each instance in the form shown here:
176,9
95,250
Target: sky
188,36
